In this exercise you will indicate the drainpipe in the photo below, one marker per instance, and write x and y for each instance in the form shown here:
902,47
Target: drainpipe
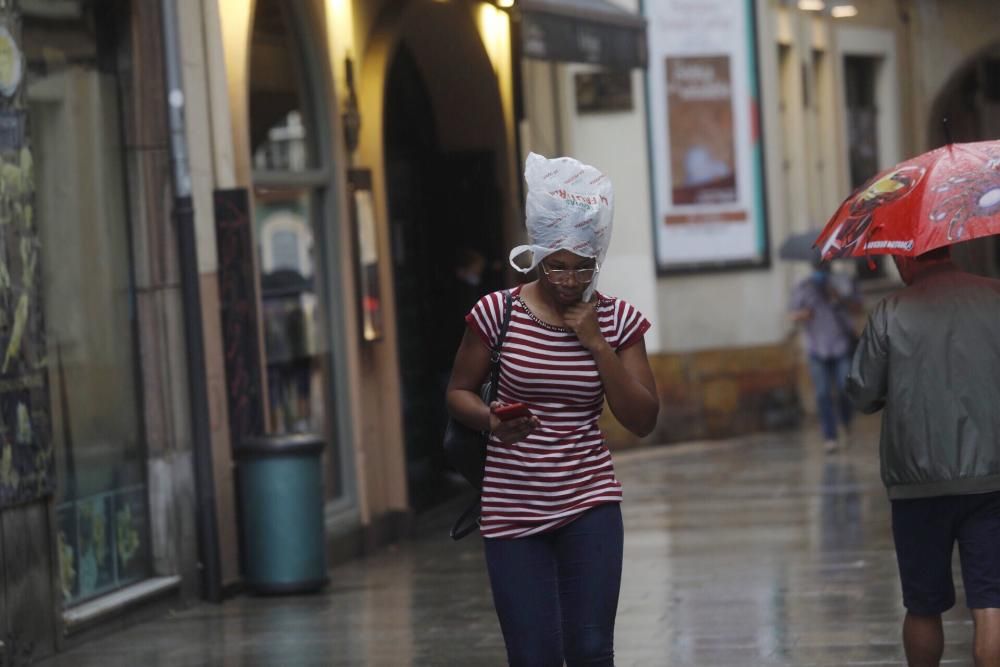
183,218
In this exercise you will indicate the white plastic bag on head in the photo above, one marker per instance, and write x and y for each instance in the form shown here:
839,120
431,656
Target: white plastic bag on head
569,207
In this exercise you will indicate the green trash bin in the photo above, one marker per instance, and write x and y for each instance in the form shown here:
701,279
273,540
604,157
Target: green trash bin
281,504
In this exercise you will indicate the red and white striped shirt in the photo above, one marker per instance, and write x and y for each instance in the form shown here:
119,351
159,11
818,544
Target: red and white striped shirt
564,467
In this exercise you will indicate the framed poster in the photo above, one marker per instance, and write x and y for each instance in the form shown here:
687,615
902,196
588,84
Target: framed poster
707,154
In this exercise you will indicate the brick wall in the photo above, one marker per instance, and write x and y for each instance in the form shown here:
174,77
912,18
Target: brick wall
718,394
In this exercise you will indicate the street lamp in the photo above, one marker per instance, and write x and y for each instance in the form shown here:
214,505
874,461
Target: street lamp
844,11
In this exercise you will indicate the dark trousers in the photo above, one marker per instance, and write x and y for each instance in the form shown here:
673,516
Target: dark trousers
827,376
557,594
925,531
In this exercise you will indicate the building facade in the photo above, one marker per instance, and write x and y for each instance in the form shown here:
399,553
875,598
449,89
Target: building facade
98,481
845,89
224,218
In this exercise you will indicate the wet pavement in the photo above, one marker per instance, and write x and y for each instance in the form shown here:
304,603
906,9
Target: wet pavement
761,551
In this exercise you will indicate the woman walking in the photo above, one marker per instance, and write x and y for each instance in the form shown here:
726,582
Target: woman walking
551,520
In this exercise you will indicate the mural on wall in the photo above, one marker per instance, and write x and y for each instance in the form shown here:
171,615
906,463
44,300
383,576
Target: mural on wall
26,460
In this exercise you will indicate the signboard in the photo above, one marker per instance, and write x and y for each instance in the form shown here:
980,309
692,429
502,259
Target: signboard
708,165
606,35
238,301
359,182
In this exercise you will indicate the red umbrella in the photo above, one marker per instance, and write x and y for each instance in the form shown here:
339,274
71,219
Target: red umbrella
942,197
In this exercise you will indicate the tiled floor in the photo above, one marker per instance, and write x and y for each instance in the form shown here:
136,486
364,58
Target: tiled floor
762,551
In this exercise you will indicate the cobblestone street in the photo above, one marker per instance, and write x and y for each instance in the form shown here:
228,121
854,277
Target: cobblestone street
762,551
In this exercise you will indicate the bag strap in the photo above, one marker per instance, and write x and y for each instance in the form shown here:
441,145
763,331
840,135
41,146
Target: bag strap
508,306
468,521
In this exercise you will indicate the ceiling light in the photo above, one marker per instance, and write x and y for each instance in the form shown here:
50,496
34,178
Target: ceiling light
844,11
505,4
812,5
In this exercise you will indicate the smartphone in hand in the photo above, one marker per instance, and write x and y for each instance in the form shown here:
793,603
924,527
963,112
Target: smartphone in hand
512,411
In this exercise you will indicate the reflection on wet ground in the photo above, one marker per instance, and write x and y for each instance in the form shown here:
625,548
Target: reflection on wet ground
761,551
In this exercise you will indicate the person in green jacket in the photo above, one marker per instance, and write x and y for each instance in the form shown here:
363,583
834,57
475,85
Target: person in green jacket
929,358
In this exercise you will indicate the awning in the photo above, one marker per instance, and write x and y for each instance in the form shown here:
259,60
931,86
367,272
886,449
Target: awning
582,31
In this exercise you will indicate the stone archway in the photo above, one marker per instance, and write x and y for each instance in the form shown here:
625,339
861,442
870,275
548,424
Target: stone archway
445,153
970,100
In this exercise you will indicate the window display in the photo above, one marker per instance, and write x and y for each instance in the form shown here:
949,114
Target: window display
73,94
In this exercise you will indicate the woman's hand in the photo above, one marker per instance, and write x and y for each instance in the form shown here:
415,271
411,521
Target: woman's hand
512,430
582,319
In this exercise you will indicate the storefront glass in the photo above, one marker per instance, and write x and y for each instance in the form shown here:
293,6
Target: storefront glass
290,185
74,56
282,131
289,299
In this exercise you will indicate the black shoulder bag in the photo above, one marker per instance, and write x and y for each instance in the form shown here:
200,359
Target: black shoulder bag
464,447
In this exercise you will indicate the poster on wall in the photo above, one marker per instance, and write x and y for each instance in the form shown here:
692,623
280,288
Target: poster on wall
708,164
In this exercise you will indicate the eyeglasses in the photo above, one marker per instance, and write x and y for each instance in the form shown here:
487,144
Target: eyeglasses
559,276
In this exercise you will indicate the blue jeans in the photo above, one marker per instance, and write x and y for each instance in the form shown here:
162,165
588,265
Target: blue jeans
827,375
557,594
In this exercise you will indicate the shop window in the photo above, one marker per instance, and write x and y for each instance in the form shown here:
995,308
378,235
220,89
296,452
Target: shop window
294,365
281,132
73,95
290,193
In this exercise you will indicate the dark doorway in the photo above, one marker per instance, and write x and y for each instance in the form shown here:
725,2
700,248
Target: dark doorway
444,210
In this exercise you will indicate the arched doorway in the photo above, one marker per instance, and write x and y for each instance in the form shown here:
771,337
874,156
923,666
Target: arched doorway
445,160
291,208
971,103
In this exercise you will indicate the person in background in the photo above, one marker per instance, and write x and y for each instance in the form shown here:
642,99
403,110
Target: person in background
824,305
470,267
930,359
465,285
462,287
